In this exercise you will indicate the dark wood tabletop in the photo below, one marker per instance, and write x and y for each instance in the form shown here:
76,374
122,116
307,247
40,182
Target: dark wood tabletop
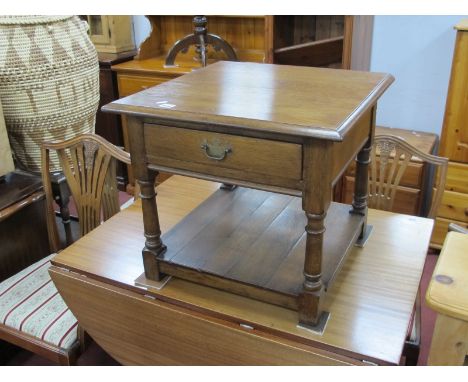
291,100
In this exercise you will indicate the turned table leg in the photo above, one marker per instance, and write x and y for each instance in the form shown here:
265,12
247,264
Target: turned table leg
146,178
359,205
315,202
313,289
361,185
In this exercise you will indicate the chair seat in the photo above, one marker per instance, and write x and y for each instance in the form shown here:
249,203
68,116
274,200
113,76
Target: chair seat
30,303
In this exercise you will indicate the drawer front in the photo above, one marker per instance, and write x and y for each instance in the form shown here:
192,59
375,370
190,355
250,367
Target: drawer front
412,176
441,229
129,84
234,157
457,177
407,200
454,206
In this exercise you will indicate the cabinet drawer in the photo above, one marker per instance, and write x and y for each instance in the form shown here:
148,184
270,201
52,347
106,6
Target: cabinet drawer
411,177
224,155
457,177
454,206
407,200
129,84
441,229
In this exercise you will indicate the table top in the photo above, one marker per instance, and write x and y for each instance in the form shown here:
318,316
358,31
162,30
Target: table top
371,301
280,99
447,291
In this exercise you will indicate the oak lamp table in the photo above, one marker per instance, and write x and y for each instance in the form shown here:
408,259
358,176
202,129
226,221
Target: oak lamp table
185,323
282,129
447,294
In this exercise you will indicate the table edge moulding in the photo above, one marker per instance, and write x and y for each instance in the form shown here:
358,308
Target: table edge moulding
307,125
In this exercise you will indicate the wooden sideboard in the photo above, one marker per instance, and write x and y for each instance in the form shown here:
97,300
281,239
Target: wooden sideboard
454,142
411,197
183,323
327,41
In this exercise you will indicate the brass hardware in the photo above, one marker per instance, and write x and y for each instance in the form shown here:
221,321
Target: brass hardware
215,150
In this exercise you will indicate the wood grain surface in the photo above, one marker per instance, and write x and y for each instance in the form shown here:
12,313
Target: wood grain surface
253,242
447,295
157,333
457,179
313,102
450,298
251,159
371,301
454,206
454,139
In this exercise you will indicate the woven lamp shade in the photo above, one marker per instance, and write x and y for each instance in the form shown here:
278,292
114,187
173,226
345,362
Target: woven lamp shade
49,83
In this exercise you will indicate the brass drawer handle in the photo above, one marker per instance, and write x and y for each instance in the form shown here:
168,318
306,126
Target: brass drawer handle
215,151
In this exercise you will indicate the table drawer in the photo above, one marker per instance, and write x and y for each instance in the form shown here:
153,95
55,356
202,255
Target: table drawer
407,200
457,177
411,177
223,155
129,84
454,206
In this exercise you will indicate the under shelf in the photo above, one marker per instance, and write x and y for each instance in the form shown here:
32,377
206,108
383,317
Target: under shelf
252,243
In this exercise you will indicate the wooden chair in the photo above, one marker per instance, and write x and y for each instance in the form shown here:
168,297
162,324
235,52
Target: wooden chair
384,178
32,313
382,189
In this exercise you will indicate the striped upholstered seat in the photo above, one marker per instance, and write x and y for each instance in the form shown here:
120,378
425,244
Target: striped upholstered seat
30,303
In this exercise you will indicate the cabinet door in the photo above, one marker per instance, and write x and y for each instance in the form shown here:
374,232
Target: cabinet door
454,143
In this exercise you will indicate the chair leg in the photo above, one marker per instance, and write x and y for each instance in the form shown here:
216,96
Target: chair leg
64,360
70,357
83,338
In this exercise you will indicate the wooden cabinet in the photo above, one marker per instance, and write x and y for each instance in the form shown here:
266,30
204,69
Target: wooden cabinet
454,142
411,197
327,41
110,126
23,231
110,34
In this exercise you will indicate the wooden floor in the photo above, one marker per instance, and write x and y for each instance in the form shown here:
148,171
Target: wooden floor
252,242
